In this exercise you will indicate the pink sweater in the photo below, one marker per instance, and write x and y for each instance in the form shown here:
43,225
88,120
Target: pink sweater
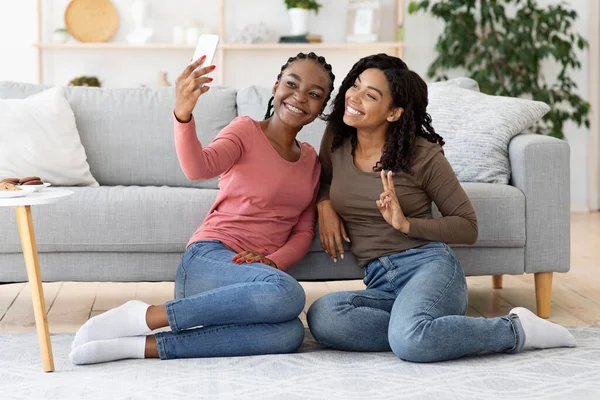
265,203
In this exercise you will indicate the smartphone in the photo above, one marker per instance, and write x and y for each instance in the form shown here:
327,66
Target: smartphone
207,45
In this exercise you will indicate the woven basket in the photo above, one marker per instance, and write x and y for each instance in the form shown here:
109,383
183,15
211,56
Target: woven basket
91,20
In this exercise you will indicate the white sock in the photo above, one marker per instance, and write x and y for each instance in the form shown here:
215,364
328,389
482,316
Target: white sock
126,320
542,334
109,350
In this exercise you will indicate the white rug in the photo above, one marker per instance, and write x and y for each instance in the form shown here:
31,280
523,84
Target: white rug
313,373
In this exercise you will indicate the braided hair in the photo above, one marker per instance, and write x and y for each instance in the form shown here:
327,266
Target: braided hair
301,56
408,91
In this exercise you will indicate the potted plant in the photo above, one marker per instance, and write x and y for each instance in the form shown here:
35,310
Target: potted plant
298,11
60,35
91,81
503,45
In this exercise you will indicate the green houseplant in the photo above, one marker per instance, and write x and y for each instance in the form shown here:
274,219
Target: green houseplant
304,4
502,44
298,10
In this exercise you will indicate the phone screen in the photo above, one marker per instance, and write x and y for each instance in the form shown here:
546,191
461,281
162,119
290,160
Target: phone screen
207,45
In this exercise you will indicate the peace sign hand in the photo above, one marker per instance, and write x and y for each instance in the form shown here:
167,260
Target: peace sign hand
389,206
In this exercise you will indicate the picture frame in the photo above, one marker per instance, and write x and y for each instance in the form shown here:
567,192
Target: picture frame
363,19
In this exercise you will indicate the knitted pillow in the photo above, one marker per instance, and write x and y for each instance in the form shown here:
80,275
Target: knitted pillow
477,129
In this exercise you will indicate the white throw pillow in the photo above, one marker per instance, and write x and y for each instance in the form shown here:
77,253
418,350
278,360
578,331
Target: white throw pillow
477,129
38,136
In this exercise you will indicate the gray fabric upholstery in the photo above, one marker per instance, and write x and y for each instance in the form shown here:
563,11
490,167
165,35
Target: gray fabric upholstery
156,267
477,129
128,133
162,219
134,227
94,266
500,213
114,219
540,169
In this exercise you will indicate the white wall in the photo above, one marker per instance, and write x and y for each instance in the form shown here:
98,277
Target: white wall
119,68
17,31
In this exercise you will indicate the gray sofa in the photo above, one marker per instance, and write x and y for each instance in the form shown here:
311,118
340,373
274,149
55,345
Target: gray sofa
134,227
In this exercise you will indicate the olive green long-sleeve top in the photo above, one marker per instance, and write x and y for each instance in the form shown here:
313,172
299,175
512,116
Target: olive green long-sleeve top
353,194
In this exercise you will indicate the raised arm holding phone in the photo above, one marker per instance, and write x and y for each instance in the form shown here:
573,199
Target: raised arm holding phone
233,296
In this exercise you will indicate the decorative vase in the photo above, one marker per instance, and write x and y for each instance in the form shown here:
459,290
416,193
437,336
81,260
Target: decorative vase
299,21
60,36
140,11
162,80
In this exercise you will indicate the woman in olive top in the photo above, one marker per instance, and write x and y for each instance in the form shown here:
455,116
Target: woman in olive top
382,166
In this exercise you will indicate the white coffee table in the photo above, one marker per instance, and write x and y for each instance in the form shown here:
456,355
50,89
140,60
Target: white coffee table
22,207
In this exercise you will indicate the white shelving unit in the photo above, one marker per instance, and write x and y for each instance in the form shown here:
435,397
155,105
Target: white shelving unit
226,46
395,48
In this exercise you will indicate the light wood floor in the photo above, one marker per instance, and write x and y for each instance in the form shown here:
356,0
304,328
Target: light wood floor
575,295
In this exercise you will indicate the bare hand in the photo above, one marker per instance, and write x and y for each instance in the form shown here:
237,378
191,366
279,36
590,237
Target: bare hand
389,206
251,257
331,230
189,87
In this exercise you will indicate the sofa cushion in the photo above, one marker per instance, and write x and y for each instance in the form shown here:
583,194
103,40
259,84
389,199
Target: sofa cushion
157,267
475,261
500,213
114,219
477,129
128,133
38,137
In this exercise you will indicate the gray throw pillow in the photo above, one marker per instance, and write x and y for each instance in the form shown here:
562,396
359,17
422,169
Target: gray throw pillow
477,129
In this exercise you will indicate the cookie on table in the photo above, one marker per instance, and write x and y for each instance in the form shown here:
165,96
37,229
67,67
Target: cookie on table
5,186
14,181
28,179
34,182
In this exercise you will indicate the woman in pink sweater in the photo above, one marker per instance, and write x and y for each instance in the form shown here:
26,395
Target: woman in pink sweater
233,297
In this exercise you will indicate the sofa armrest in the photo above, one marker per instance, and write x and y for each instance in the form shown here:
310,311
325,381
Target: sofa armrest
540,169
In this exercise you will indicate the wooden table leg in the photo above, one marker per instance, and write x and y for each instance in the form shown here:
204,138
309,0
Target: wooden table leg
25,223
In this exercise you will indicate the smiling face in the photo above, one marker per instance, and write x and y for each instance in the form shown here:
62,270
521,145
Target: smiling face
369,102
300,93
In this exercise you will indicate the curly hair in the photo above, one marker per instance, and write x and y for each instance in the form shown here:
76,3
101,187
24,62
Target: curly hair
301,56
408,91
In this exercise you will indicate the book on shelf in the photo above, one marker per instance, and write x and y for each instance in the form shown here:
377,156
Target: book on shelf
293,39
301,39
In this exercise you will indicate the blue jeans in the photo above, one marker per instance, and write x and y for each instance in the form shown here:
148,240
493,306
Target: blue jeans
414,305
226,309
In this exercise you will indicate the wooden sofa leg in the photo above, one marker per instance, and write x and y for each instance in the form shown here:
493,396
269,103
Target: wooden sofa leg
497,281
543,293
